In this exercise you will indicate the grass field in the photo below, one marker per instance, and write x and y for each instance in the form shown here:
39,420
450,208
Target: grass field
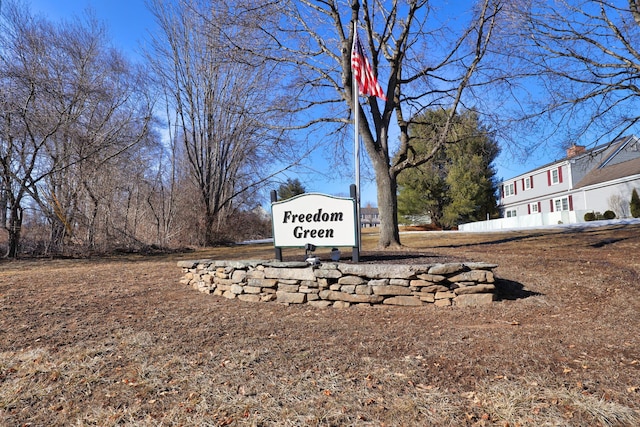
118,341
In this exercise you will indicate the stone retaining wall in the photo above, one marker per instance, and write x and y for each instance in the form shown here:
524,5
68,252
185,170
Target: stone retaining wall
342,284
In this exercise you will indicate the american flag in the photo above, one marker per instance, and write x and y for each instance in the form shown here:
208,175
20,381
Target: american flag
367,82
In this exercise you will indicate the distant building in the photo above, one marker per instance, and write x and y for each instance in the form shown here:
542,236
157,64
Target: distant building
369,217
594,180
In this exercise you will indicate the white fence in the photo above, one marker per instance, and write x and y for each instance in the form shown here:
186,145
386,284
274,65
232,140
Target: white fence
524,221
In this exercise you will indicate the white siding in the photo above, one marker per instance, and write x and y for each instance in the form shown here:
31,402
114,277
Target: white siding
597,197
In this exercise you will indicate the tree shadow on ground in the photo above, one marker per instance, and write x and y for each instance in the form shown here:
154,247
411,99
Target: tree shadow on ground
501,240
605,242
511,290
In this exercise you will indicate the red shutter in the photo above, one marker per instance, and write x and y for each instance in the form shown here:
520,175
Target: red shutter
529,209
502,191
539,207
515,188
570,202
549,178
551,204
560,175
523,187
531,181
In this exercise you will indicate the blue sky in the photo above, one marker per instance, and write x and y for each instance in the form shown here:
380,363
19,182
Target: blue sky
129,23
127,20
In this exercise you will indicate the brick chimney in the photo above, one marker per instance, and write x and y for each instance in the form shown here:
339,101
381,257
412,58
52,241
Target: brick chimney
574,150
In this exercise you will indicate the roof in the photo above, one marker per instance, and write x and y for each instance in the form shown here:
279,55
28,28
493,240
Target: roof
600,150
610,173
368,211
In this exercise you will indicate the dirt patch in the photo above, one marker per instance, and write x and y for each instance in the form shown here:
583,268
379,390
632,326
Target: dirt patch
117,341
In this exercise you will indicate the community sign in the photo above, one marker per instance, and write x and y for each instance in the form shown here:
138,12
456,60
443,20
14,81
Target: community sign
316,219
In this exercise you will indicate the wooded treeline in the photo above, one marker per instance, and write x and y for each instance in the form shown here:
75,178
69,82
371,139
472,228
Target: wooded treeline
98,152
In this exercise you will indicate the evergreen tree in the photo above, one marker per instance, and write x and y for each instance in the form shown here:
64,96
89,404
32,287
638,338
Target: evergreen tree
634,206
289,189
459,184
422,190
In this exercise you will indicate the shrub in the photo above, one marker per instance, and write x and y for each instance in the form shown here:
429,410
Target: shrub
609,214
589,216
634,206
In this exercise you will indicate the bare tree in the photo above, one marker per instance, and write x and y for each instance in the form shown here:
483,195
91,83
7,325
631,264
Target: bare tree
14,179
619,205
219,102
25,126
161,198
422,60
584,55
73,109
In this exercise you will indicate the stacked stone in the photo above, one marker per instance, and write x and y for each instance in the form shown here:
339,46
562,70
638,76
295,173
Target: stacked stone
343,284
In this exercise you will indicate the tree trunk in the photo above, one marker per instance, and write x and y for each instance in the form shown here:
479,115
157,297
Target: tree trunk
387,185
56,237
91,227
209,221
14,229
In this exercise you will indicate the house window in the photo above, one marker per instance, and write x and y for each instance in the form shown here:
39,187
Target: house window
527,183
510,213
554,176
509,190
533,208
561,204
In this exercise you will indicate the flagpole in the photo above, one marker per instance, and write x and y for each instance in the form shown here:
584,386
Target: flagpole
367,83
356,147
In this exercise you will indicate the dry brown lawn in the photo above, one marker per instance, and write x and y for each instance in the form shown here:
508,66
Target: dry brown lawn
118,341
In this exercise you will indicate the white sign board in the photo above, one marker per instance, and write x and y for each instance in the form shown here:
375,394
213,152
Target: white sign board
314,218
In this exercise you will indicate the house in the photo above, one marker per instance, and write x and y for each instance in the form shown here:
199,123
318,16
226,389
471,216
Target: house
369,217
594,180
